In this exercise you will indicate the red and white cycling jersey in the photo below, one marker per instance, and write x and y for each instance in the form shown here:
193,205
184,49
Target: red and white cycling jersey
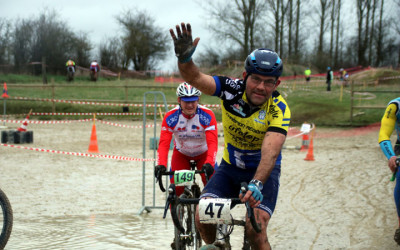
192,135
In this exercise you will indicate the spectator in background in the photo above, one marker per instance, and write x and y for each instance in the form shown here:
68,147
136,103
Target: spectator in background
307,73
329,78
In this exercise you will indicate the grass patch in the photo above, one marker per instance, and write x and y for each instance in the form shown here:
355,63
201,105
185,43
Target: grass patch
308,102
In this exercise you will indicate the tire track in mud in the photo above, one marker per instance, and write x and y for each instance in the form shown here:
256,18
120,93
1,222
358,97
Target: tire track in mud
301,188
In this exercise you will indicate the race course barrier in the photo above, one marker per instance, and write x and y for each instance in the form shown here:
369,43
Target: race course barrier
104,103
82,120
113,157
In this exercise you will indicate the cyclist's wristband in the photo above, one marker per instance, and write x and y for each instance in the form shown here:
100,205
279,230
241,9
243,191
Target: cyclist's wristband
258,183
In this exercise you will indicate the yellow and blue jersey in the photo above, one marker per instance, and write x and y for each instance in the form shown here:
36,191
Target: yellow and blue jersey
390,122
244,125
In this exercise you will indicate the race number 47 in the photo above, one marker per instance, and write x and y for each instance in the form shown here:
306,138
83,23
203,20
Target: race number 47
214,211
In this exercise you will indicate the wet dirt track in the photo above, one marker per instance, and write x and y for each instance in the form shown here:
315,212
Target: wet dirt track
342,200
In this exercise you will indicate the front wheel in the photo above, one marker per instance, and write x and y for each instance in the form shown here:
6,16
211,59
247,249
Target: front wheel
6,219
93,75
190,237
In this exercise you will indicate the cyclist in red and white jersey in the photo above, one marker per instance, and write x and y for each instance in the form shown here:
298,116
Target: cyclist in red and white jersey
95,66
194,128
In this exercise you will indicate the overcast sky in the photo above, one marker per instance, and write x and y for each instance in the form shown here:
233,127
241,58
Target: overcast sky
97,18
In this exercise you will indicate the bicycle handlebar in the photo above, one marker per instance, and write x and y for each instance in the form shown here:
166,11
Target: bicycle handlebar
173,200
193,166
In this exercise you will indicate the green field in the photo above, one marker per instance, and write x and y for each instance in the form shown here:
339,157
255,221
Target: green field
308,102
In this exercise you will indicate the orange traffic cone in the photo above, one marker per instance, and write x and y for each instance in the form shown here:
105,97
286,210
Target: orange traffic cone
24,125
310,153
5,91
93,147
305,142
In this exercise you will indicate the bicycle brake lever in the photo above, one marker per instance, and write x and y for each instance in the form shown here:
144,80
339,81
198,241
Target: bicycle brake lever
159,180
171,195
167,203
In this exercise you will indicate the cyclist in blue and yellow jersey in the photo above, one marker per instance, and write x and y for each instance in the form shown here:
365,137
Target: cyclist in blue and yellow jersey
255,119
390,122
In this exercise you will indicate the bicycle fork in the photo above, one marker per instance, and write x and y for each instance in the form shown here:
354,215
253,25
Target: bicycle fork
222,239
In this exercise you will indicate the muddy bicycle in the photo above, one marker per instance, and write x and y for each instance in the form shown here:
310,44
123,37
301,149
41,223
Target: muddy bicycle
6,219
70,73
93,75
187,236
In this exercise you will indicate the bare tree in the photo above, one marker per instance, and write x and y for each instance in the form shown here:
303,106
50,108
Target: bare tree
22,44
239,22
323,15
82,49
284,7
52,39
5,41
143,43
290,27
332,24
338,13
111,54
397,28
300,38
379,43
372,32
275,9
362,13
297,38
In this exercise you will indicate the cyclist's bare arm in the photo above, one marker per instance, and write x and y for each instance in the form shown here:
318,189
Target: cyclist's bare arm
191,74
271,147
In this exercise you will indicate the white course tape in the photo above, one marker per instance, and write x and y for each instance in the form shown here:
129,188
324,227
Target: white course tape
113,157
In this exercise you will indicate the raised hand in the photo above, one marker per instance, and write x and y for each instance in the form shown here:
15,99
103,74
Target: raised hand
183,42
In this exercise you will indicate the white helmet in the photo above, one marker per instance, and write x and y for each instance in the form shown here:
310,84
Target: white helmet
187,92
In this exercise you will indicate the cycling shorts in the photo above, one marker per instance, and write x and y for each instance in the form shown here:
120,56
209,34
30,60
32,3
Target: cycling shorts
225,183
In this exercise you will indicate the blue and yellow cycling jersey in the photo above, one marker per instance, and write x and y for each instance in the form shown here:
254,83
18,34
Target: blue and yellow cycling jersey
390,121
244,125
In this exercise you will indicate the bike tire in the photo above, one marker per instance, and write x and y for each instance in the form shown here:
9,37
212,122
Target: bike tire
70,76
6,219
189,238
183,213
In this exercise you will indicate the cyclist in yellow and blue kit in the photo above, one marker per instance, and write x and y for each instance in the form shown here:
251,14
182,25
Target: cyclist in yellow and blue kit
256,119
390,122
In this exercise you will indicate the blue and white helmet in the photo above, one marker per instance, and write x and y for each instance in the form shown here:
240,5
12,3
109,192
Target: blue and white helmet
187,92
264,62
